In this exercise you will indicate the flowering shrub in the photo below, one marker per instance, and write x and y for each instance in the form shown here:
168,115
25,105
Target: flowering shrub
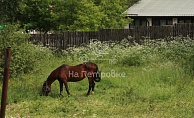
179,50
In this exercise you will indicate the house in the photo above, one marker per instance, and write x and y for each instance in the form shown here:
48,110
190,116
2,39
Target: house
161,12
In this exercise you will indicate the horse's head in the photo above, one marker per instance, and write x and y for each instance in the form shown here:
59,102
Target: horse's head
45,88
97,76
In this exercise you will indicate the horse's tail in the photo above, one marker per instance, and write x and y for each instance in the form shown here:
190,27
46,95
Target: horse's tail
97,75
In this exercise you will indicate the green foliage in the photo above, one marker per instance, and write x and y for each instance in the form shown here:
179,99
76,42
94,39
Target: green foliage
88,17
151,51
93,15
57,15
9,11
113,10
40,14
25,56
180,50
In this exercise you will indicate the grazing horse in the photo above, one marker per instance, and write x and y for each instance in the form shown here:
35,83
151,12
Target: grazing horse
66,73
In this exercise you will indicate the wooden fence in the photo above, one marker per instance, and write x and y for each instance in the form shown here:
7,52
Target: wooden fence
77,38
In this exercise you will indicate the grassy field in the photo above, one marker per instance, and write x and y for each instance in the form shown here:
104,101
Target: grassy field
157,82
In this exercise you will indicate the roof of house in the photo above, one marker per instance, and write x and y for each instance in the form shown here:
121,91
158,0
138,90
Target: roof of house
162,8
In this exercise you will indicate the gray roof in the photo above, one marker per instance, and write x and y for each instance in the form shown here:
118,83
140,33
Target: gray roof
162,8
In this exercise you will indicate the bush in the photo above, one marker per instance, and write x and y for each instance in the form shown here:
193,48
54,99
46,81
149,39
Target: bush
179,50
25,56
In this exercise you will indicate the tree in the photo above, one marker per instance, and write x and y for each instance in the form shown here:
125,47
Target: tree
60,15
9,11
88,17
95,14
113,10
40,14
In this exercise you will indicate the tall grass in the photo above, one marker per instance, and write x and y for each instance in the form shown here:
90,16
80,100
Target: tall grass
158,82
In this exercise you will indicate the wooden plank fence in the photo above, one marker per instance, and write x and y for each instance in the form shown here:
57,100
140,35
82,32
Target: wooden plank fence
77,38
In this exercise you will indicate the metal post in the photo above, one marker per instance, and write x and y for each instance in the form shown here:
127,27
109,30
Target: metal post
5,81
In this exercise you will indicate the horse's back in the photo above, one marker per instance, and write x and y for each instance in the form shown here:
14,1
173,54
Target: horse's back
78,72
71,73
85,66
91,66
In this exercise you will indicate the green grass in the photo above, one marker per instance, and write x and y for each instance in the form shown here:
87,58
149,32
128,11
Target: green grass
158,87
149,91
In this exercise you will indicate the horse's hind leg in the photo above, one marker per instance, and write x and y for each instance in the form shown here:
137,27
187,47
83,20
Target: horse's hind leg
91,86
89,89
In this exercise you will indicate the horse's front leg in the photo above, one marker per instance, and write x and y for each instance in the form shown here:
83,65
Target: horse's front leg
61,87
66,86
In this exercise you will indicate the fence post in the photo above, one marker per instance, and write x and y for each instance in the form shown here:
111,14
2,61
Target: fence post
5,81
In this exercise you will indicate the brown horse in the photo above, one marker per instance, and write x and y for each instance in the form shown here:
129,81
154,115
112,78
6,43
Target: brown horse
66,73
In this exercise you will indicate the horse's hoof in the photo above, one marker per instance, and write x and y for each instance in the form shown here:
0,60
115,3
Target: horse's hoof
61,95
92,93
87,94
